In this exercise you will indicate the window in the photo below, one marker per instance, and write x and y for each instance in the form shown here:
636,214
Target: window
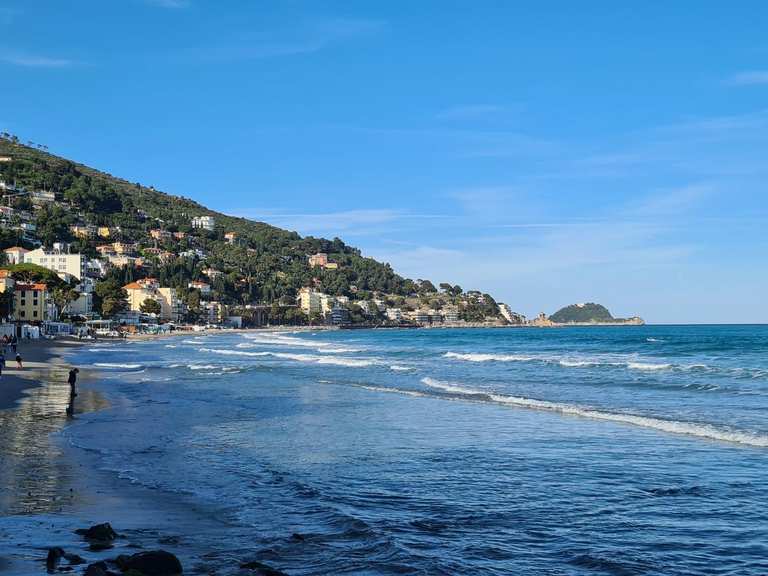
34,313
23,313
23,302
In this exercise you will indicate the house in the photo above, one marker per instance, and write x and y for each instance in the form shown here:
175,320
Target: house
230,237
158,234
58,260
105,249
204,223
83,231
123,248
204,287
121,260
320,259
179,235
15,255
171,306
211,273
104,231
30,302
43,197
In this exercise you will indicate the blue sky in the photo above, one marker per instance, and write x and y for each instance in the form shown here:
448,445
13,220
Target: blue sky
548,154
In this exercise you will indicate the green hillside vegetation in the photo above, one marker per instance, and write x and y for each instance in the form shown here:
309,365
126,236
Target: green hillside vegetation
265,265
589,312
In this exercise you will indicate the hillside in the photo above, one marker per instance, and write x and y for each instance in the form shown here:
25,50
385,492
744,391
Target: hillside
259,263
587,313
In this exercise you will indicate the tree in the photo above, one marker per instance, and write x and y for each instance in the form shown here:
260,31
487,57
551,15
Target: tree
150,306
110,297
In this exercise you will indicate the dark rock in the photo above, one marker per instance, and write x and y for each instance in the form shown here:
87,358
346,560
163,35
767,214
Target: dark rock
98,569
54,557
298,537
153,563
99,545
74,559
262,569
102,532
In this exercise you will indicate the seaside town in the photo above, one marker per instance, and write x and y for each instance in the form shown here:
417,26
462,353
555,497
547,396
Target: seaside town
84,253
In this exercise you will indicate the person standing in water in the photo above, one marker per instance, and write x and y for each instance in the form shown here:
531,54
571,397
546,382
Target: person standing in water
72,390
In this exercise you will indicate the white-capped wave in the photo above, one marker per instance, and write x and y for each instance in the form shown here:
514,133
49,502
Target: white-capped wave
202,366
488,357
654,340
333,360
648,366
707,431
398,368
118,366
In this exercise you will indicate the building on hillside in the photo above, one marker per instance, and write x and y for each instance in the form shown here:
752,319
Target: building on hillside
204,223
211,273
394,314
58,260
104,232
30,302
230,237
96,268
179,235
159,234
171,306
15,255
121,261
125,248
193,253
510,316
319,259
42,197
450,314
204,287
310,301
326,303
83,231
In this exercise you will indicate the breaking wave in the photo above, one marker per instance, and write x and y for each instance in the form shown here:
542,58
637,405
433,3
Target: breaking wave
671,426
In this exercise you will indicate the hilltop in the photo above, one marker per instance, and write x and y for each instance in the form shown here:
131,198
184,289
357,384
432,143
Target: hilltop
588,313
244,261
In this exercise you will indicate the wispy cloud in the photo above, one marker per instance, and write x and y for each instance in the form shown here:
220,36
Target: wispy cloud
34,61
348,222
306,38
749,78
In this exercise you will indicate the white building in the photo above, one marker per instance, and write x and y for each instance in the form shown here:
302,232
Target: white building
204,222
394,314
58,260
15,255
510,316
311,301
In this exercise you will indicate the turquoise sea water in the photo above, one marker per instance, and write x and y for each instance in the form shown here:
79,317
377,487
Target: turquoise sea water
620,450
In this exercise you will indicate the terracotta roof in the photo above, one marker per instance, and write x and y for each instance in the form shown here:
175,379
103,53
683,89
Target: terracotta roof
133,286
36,286
5,273
15,249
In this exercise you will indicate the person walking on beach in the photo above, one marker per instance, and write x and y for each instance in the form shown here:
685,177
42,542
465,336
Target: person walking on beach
14,343
72,390
19,363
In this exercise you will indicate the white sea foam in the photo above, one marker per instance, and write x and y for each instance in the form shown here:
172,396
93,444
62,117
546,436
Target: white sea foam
671,426
398,368
334,360
648,366
118,366
654,340
202,366
488,357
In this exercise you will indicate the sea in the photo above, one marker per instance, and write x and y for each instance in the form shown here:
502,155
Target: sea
637,450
